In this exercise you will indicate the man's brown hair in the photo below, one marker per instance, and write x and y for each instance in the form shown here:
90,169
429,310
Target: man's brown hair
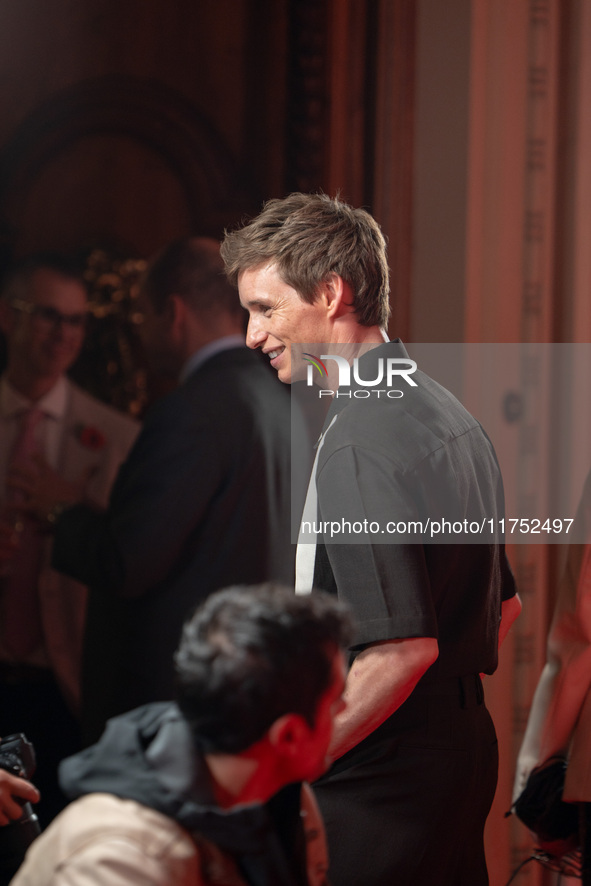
308,237
192,268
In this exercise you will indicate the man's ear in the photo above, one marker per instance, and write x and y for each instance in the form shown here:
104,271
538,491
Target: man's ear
288,734
175,312
337,296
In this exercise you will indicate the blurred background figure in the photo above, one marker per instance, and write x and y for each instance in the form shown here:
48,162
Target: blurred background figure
55,439
559,722
203,500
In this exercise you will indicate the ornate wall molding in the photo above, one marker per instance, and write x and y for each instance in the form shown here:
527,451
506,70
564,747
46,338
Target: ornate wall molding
350,116
307,95
145,110
394,145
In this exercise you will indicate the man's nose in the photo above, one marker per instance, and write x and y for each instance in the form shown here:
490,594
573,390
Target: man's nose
255,334
62,330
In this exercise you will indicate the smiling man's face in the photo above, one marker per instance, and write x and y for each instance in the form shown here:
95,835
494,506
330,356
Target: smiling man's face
279,317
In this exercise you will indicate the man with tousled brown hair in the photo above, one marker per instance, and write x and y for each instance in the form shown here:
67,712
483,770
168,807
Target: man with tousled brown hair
416,755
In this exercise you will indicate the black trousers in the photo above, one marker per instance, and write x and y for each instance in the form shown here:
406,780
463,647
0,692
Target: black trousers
407,806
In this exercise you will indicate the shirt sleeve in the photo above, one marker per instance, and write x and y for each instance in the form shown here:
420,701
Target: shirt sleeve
386,583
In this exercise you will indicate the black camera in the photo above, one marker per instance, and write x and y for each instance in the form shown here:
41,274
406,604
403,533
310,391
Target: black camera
17,756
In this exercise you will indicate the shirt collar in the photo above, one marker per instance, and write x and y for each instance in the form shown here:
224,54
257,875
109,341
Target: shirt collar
210,350
53,404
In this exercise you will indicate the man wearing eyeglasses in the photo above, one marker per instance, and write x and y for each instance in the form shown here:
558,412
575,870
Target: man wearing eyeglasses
54,437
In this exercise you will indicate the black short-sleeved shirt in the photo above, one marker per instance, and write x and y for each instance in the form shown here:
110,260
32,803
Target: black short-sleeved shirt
419,456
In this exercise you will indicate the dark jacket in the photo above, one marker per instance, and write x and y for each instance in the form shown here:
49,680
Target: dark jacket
145,812
202,502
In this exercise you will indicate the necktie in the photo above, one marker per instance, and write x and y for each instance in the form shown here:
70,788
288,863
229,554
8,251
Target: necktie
21,629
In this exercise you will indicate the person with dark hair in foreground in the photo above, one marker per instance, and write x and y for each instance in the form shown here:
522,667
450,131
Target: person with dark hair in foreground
209,789
406,800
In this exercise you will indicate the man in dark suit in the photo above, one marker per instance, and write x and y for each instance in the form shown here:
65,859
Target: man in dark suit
202,501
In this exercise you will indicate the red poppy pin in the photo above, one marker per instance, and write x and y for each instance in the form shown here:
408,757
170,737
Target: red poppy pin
90,437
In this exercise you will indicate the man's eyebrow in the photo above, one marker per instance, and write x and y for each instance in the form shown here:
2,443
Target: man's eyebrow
254,303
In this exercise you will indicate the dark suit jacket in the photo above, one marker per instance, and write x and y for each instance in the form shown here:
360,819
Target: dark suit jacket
202,502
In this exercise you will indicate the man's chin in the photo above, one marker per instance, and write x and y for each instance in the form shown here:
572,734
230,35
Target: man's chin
296,372
285,372
53,369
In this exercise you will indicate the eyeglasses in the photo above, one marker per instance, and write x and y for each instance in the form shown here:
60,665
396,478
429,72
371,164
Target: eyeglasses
50,317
